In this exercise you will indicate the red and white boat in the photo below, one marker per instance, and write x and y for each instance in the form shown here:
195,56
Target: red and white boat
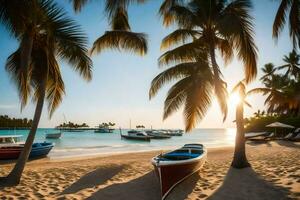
175,166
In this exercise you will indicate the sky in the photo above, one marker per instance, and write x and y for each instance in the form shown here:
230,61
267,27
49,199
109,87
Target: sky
119,89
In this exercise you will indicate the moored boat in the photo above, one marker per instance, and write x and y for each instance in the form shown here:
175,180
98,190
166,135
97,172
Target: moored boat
136,135
157,134
53,135
10,148
175,166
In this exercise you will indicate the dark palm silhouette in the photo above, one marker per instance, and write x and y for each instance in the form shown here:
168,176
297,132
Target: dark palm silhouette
291,7
239,156
120,36
54,36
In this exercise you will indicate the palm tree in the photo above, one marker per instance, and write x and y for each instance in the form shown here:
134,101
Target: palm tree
292,65
268,71
204,28
56,36
239,157
293,7
120,36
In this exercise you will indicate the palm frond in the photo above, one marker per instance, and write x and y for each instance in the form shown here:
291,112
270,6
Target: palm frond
176,72
176,97
236,25
78,4
189,52
120,20
70,40
13,67
55,86
121,40
198,100
178,36
280,18
294,25
221,93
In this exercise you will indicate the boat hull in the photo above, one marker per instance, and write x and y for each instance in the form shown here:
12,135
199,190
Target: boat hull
38,150
53,135
143,138
172,173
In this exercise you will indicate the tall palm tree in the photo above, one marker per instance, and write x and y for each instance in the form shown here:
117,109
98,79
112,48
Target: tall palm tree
56,36
239,157
120,36
291,7
205,27
292,65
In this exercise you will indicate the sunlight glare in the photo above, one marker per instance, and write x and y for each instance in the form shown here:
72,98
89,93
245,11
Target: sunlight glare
234,99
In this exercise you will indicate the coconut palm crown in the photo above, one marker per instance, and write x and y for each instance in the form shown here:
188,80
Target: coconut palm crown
120,36
205,28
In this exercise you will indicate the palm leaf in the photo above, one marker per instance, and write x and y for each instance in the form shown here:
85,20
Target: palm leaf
121,40
280,18
189,52
176,97
176,72
198,100
179,35
236,25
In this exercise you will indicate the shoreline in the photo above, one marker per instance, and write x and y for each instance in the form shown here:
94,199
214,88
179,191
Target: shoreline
275,174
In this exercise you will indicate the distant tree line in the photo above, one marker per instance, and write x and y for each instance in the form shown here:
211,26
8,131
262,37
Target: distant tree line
106,125
7,122
261,119
72,125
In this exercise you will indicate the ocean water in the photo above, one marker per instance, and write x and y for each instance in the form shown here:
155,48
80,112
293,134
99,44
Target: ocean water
88,143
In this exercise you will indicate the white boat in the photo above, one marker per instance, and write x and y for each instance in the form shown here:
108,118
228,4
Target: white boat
157,134
53,135
136,135
173,167
10,140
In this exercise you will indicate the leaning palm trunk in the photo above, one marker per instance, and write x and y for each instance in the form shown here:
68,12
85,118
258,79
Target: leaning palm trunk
15,175
239,158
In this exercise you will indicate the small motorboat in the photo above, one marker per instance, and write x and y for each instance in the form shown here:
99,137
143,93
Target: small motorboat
13,150
53,135
136,135
175,166
157,134
173,132
10,140
103,130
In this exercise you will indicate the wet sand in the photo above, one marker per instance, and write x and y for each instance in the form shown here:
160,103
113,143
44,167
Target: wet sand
275,174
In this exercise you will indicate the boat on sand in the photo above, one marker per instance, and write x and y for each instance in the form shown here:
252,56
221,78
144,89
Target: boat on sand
10,149
173,167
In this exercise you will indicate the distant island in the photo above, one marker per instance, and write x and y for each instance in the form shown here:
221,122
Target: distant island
7,123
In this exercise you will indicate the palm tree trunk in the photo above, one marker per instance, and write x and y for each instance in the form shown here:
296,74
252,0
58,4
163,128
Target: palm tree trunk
15,175
239,158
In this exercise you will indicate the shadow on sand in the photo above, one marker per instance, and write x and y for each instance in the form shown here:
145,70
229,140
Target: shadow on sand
246,184
145,187
288,144
94,178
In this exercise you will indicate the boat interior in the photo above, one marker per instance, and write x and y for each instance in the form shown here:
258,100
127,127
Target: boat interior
182,154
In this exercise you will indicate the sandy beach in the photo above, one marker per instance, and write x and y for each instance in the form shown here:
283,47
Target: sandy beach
275,174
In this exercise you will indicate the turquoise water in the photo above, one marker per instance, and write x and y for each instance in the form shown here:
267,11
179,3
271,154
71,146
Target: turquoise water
88,143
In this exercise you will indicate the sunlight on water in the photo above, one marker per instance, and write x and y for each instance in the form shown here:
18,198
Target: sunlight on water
230,135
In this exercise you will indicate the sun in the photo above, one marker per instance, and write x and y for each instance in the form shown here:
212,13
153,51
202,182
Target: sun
234,99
